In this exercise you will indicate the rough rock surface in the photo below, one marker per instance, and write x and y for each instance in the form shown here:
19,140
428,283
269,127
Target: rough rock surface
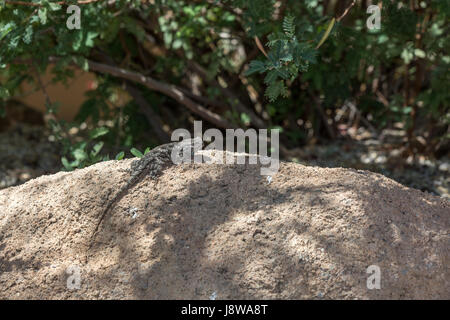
222,230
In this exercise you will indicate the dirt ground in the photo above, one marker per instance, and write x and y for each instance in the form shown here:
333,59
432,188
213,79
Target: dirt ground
223,232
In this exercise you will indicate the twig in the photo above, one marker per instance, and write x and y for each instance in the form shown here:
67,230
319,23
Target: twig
346,11
260,46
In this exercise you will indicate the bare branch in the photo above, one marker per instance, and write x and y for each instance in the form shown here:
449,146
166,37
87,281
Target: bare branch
167,89
260,46
346,11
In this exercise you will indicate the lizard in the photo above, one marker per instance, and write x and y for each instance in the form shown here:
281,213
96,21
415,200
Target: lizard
152,164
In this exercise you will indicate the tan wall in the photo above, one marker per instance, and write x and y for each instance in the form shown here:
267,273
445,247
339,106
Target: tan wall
70,97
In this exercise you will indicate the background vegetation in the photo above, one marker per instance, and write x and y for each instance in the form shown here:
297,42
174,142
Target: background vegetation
237,63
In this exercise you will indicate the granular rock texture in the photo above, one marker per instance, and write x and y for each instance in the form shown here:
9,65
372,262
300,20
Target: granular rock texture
203,230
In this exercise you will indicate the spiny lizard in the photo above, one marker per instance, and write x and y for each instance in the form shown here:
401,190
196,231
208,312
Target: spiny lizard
152,164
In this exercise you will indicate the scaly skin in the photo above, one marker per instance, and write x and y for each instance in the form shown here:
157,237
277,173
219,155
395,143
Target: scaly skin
152,164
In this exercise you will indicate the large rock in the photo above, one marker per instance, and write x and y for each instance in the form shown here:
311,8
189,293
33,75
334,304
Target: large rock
225,231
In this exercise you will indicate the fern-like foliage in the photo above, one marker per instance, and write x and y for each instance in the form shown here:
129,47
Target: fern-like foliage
289,26
285,60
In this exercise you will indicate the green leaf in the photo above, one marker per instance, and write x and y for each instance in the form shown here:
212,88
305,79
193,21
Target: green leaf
177,44
147,150
90,36
255,66
120,155
310,54
98,132
245,118
327,32
54,6
289,26
135,152
28,36
96,149
271,76
77,40
80,154
42,13
420,53
66,164
275,89
7,28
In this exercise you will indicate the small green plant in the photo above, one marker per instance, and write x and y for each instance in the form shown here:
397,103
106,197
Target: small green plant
82,157
285,60
88,152
120,155
85,153
135,152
